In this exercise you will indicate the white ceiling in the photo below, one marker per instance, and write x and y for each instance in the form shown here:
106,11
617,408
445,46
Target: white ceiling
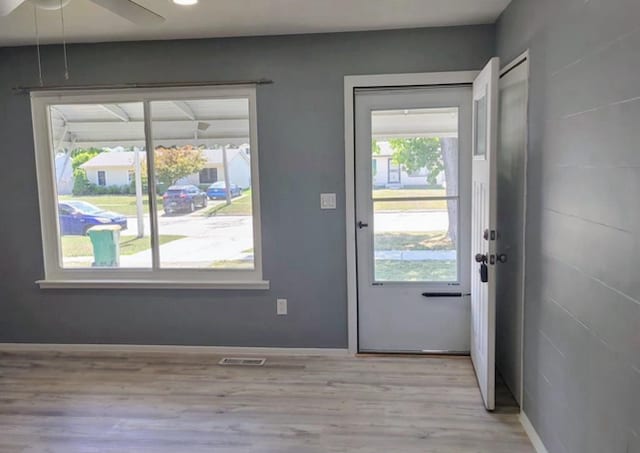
87,22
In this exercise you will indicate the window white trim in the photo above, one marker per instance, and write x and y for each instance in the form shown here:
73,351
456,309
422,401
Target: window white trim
373,81
58,277
150,284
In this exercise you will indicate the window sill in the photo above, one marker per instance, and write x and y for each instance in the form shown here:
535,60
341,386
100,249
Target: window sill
150,284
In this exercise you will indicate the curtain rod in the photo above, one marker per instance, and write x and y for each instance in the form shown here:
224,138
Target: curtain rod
27,90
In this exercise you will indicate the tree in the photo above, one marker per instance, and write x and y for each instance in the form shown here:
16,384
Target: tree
81,184
172,164
415,154
81,156
375,147
450,157
436,155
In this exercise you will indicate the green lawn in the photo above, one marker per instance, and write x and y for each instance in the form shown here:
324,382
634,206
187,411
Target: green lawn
421,205
242,204
73,246
408,193
418,271
239,206
233,264
120,204
428,270
436,240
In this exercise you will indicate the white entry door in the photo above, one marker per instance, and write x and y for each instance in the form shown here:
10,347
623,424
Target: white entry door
413,174
483,229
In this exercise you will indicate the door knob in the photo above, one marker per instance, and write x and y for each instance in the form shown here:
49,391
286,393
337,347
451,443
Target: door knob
484,269
502,258
362,225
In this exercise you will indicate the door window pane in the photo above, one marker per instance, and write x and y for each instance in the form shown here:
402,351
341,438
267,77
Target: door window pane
415,152
416,241
480,148
103,214
415,194
202,164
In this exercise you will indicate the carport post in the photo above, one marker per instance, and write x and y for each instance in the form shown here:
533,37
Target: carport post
139,207
225,164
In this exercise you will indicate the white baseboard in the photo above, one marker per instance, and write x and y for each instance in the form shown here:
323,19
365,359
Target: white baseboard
532,433
170,349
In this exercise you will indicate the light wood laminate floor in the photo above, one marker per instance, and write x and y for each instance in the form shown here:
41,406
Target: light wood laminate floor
153,402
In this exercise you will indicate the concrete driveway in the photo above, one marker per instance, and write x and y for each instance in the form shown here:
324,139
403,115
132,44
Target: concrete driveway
416,222
208,240
226,238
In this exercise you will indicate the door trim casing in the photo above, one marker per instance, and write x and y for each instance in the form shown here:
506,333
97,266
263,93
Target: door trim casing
351,82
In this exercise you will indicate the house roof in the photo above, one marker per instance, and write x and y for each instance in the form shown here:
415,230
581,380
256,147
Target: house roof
112,159
126,158
214,156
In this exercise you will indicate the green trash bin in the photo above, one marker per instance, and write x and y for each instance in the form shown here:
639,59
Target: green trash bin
106,245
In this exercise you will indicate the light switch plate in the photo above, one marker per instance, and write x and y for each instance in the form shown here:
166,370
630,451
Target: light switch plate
281,307
327,201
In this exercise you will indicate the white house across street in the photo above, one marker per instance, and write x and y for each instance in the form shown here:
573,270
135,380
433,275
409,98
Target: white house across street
117,168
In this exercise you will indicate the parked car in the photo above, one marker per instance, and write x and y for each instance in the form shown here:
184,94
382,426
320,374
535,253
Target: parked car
76,217
218,190
183,198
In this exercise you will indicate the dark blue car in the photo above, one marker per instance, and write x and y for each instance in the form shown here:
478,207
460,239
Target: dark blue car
76,217
183,198
218,190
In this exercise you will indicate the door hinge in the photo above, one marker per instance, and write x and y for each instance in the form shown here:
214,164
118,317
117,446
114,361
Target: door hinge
490,235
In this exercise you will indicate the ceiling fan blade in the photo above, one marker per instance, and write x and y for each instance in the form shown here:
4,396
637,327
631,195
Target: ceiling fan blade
7,6
131,11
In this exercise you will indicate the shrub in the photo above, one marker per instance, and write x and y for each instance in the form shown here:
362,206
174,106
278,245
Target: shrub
161,188
82,186
80,183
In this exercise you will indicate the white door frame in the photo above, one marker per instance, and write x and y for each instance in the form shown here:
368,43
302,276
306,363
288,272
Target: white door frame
371,81
525,56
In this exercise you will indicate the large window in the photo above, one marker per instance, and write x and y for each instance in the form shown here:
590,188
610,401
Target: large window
208,175
149,187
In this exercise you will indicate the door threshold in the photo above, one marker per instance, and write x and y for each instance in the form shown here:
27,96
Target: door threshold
422,354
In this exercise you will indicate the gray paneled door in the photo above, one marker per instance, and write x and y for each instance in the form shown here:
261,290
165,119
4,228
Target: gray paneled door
413,173
512,158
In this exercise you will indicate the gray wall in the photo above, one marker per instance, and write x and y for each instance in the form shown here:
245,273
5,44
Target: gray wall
582,310
300,128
